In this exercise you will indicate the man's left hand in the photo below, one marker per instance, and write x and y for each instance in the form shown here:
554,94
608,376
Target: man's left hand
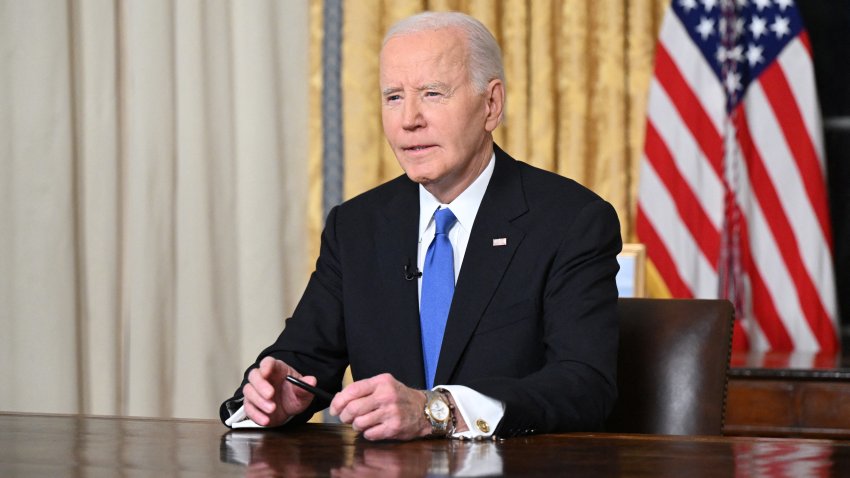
383,409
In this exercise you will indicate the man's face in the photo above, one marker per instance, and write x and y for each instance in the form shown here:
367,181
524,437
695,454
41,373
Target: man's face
437,125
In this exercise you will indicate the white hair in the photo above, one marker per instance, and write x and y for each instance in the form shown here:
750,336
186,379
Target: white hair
485,56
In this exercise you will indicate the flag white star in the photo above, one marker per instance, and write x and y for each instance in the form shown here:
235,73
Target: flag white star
736,53
709,4
742,3
780,26
758,26
762,4
705,27
732,82
688,5
721,54
754,54
783,4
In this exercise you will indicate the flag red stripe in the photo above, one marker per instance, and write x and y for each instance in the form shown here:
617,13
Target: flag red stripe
764,311
690,210
689,108
804,39
660,257
810,301
781,99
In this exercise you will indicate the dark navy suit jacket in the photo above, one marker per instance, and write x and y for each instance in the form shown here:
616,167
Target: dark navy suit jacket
532,323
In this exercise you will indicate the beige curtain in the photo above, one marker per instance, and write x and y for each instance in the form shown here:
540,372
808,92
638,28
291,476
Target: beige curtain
153,165
577,78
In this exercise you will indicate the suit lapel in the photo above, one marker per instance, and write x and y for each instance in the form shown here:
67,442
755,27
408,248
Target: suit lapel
484,263
396,237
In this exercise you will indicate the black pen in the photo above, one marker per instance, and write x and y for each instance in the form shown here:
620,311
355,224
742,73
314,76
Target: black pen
315,391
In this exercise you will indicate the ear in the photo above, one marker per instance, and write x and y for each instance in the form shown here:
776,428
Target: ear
494,104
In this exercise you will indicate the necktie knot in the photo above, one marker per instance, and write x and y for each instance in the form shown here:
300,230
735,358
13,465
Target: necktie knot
444,219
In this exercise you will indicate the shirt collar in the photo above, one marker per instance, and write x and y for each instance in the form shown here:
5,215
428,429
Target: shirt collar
464,207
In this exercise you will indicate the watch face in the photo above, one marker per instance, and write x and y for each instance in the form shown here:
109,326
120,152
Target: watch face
439,410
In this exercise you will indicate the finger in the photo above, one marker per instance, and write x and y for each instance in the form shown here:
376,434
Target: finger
379,432
380,389
389,427
261,384
267,366
354,391
364,422
275,370
357,408
253,398
256,415
389,421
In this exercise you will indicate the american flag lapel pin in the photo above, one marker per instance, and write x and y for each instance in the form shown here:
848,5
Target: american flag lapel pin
500,241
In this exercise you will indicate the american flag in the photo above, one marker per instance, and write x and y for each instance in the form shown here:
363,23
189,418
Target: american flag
732,199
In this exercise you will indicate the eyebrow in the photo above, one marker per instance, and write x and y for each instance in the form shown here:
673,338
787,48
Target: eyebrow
437,85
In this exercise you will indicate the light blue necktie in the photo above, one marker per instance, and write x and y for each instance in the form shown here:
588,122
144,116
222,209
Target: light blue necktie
438,286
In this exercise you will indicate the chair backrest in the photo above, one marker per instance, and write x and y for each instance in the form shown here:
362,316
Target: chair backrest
672,364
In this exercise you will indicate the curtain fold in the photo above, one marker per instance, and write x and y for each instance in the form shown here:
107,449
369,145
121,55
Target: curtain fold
153,188
97,189
38,267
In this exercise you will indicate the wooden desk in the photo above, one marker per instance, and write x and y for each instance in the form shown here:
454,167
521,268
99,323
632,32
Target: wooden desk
56,445
781,395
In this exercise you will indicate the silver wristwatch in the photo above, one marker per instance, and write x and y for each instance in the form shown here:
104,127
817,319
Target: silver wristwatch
438,411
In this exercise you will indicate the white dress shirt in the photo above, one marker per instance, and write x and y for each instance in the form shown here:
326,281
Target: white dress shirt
471,405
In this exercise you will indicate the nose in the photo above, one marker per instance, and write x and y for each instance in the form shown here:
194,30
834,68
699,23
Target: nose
412,115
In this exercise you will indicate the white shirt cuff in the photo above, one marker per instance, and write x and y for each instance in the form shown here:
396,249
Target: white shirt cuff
480,412
240,419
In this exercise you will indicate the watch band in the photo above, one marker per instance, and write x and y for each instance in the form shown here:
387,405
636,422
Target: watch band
452,412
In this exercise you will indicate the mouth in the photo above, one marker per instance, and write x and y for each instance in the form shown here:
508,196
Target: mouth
417,148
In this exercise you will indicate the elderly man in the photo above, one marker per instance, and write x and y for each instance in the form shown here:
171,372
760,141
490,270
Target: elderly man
472,296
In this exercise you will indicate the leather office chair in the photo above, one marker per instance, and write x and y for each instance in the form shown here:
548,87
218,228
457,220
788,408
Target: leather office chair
672,364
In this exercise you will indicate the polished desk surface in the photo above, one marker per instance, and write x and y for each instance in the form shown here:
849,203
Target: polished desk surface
81,446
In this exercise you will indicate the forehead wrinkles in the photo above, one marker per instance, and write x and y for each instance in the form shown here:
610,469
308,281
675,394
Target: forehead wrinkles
428,56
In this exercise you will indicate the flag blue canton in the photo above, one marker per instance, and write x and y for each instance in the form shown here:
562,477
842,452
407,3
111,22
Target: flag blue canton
739,38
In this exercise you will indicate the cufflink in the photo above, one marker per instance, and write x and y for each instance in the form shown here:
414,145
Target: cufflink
482,425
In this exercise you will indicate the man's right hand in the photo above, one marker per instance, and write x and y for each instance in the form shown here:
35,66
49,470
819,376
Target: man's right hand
270,400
